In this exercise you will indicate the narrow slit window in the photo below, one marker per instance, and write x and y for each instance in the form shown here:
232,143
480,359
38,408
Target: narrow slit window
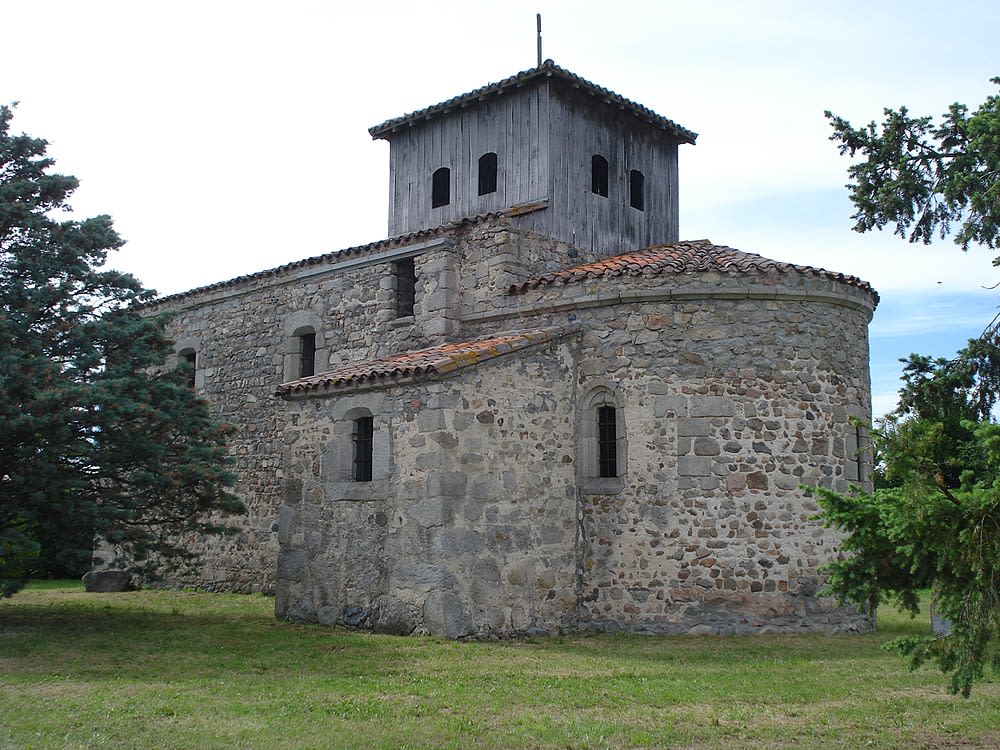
607,441
190,358
599,175
405,274
307,355
636,188
441,187
363,444
487,173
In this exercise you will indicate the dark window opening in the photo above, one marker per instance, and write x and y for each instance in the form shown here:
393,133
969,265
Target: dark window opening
363,444
854,470
405,273
307,355
441,187
607,442
599,175
636,186
487,173
191,360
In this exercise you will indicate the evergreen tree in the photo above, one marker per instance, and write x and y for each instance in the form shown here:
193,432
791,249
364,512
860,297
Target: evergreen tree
922,177
99,438
933,520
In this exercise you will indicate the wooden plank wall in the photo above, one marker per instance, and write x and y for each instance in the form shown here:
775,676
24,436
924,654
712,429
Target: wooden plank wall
512,126
581,127
544,136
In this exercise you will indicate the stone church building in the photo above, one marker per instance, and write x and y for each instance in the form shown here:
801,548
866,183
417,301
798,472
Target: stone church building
533,408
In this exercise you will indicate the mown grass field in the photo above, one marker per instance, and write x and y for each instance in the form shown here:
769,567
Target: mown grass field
159,669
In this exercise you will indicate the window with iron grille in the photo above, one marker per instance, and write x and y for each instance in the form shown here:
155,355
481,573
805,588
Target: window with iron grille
363,444
607,441
307,355
405,273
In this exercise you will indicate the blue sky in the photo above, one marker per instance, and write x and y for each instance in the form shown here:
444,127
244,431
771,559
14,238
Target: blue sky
229,136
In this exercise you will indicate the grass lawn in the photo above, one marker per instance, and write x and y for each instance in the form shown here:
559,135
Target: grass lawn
176,669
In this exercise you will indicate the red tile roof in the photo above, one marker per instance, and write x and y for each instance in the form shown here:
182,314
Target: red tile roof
547,69
679,257
436,360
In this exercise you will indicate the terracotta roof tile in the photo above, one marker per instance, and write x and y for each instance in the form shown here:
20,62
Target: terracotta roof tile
548,69
679,257
435,360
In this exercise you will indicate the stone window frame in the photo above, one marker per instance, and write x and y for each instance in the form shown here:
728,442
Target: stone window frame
189,350
339,458
588,446
298,324
857,453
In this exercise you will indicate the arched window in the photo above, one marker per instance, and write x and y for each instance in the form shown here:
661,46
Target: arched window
441,187
189,358
487,173
307,353
599,175
363,439
636,186
603,449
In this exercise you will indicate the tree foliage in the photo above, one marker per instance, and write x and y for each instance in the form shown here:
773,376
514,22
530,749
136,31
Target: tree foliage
923,177
99,438
933,520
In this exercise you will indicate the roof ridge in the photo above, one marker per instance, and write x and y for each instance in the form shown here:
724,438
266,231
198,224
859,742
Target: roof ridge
438,359
679,257
545,70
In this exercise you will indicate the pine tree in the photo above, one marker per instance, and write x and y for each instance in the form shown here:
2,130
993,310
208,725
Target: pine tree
100,436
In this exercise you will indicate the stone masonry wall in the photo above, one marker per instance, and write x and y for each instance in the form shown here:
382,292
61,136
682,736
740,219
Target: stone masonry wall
731,405
242,334
468,527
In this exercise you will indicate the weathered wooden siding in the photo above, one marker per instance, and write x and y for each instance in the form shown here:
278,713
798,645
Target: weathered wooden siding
581,127
512,126
544,136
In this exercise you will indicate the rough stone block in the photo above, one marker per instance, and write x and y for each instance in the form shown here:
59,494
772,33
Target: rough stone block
706,446
107,581
391,616
694,466
693,427
711,406
445,616
665,405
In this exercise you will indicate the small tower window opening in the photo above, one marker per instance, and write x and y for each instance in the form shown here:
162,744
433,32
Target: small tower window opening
361,470
190,358
607,441
441,187
487,173
307,354
599,175
857,443
636,187
405,274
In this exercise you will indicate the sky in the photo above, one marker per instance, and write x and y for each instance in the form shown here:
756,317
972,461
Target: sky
225,137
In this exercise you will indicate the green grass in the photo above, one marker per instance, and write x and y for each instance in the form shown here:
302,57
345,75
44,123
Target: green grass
180,669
